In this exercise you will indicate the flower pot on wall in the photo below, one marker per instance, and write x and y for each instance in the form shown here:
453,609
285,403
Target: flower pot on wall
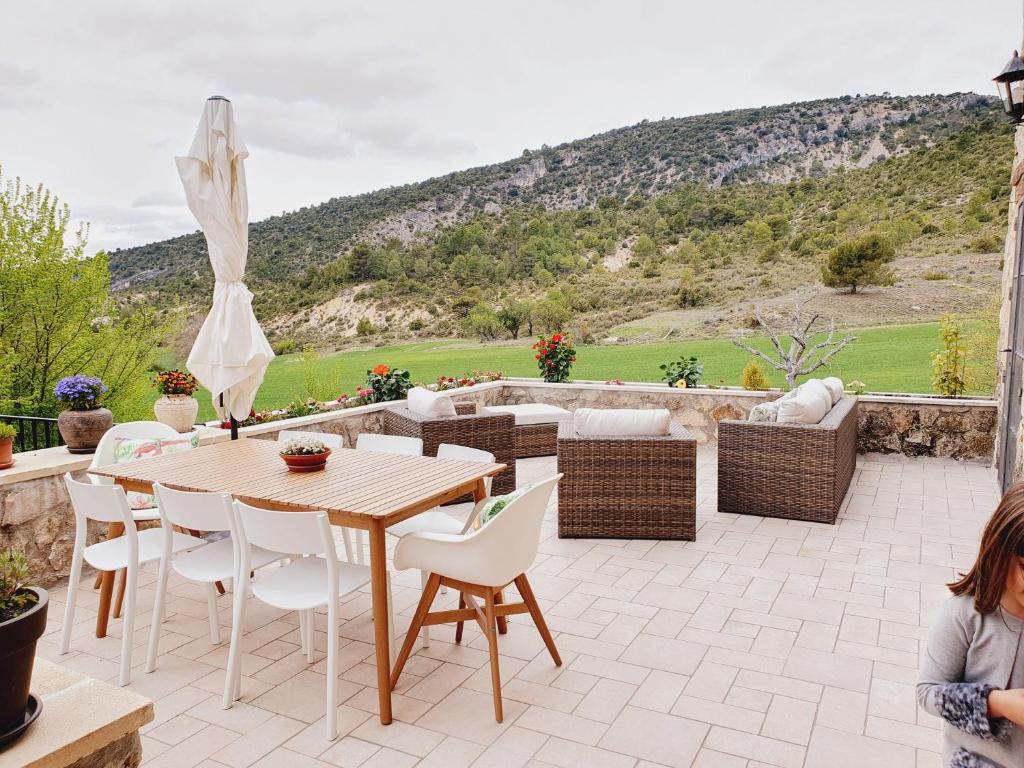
177,411
18,638
6,452
82,430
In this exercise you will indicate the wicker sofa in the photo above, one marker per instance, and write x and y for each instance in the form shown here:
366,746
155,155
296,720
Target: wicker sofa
494,433
795,471
627,487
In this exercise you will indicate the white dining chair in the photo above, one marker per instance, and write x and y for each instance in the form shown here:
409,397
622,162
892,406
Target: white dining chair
437,520
481,564
108,504
132,430
330,440
315,578
217,560
369,441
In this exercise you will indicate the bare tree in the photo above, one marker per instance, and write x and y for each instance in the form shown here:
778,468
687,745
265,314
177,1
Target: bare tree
803,355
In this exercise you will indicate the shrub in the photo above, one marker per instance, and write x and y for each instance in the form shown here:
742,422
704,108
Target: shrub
949,375
985,244
284,346
934,274
14,598
682,373
416,325
80,393
859,262
7,431
555,357
754,377
387,383
364,327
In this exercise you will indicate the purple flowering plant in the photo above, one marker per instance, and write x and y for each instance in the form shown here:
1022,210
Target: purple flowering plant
80,392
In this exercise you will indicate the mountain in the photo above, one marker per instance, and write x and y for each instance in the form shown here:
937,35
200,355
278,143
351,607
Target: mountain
620,214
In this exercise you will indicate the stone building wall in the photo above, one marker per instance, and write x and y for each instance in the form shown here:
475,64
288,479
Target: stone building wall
1010,268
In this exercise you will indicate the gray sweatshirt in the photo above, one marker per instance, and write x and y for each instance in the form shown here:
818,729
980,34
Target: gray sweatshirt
968,655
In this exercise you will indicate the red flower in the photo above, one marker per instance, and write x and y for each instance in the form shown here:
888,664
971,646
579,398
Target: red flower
556,337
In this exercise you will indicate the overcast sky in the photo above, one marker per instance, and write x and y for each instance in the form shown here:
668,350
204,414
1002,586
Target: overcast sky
337,98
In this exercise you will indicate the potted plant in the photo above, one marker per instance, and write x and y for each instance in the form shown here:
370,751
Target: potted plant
554,356
176,407
305,454
682,373
388,383
7,435
83,419
22,621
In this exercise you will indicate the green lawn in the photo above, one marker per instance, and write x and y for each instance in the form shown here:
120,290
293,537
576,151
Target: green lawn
886,359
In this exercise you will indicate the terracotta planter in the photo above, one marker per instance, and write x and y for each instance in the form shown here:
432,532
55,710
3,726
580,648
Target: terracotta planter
177,411
18,638
311,462
6,452
82,430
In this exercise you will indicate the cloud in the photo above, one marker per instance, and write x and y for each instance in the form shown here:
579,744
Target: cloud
159,198
400,136
20,88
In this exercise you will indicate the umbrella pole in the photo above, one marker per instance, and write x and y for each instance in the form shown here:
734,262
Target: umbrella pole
234,421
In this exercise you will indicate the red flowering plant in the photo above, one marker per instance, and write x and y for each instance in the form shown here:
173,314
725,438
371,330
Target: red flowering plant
555,356
466,380
175,383
387,383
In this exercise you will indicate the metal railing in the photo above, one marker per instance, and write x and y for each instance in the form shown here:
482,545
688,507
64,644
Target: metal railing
34,432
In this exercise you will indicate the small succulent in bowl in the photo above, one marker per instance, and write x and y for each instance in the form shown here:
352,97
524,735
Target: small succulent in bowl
304,446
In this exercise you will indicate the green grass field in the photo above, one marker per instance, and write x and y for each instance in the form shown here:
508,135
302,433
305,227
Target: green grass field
886,359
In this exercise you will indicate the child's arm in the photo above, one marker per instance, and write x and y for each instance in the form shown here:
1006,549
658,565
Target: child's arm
941,689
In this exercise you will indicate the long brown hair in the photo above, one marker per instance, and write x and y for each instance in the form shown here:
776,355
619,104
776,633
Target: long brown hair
1001,543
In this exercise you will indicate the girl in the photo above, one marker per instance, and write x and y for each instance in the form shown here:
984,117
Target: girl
972,675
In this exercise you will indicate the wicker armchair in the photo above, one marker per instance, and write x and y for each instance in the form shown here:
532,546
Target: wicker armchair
488,433
627,487
796,471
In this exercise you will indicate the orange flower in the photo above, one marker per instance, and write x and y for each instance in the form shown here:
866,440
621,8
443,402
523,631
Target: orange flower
381,370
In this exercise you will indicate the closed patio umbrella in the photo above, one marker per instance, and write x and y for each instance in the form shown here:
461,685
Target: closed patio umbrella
231,353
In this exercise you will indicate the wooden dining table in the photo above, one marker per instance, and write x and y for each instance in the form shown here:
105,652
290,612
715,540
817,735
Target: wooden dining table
358,489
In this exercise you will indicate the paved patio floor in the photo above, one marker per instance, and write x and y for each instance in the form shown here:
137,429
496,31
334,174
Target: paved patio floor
763,643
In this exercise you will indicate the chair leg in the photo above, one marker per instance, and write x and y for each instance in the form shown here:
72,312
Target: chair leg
491,630
526,592
499,598
99,578
71,598
426,600
211,599
158,613
346,538
128,625
233,676
360,546
459,625
391,622
425,632
332,668
119,599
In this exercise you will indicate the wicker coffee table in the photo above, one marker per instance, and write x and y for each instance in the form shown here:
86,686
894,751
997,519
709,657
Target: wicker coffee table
536,430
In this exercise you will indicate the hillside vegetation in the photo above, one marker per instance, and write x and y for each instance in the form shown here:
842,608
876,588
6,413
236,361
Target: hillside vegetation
688,220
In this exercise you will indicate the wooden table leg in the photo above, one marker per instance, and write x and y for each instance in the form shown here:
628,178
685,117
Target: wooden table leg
107,586
379,587
119,597
479,490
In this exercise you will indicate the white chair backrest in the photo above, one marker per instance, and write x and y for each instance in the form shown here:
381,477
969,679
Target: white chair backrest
464,453
512,537
137,430
410,446
194,511
294,533
106,503
331,441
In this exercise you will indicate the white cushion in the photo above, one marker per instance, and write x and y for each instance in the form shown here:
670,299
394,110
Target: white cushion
835,387
764,412
622,421
426,403
530,413
807,405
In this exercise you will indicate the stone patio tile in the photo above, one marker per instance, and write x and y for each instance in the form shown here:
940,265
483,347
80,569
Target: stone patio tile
659,738
837,749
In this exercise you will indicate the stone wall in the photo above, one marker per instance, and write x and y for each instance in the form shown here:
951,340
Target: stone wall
926,428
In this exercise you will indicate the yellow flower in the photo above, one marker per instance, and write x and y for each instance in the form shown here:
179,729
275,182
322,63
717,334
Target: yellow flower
681,384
